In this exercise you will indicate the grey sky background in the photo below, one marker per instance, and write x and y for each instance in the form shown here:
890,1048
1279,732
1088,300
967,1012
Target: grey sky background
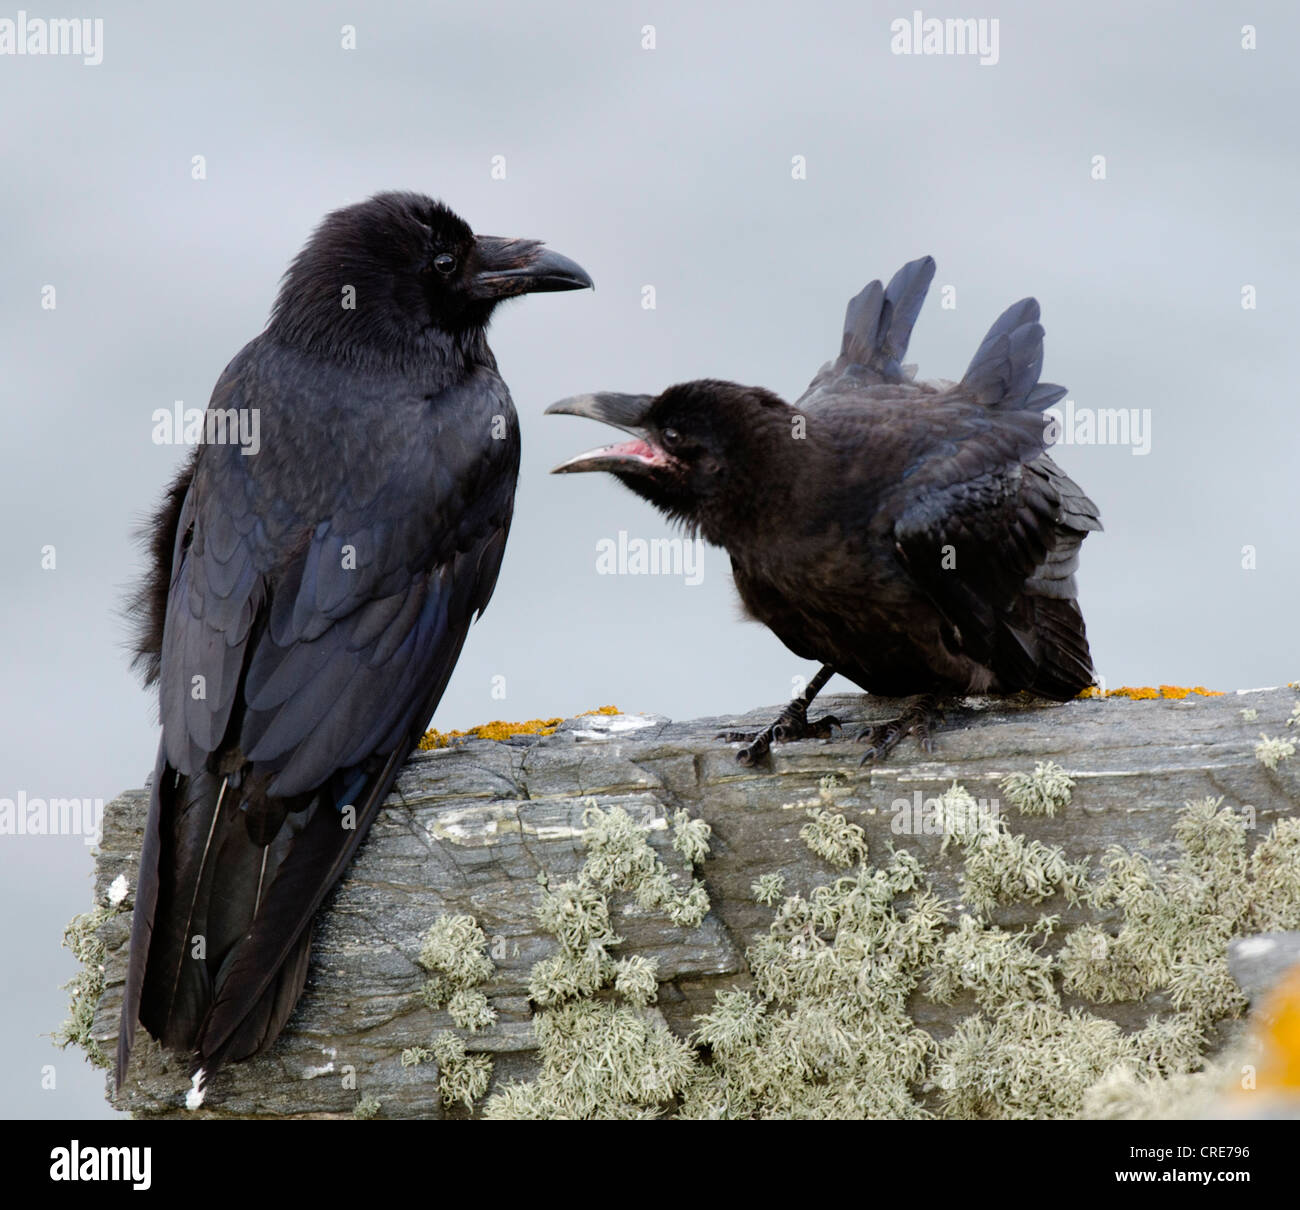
669,168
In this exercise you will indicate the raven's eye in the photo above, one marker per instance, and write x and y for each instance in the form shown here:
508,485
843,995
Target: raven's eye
672,439
445,263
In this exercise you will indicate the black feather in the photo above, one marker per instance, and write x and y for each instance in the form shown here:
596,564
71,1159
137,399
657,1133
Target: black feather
305,603
913,536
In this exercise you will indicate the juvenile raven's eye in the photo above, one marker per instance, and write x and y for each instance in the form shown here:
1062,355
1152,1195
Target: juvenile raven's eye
672,438
444,262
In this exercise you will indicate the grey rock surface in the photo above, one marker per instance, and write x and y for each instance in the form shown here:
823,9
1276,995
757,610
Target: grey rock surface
471,828
1259,962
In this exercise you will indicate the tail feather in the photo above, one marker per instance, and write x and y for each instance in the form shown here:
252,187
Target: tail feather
1042,644
221,937
1004,371
1043,648
1065,661
878,322
145,908
1077,511
178,987
269,1014
250,997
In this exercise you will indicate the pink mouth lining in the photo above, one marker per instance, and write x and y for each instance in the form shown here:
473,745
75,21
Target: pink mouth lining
643,451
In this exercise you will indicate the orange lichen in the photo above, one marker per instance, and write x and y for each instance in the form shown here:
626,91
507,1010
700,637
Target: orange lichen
1279,1031
1146,692
498,730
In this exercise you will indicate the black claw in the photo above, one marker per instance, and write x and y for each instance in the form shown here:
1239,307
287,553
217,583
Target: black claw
884,737
824,727
791,724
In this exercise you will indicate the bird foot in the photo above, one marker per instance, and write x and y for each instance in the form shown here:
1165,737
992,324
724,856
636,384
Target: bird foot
790,725
882,738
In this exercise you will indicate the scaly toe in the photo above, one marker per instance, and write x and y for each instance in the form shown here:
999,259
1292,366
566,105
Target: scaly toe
737,737
881,739
824,727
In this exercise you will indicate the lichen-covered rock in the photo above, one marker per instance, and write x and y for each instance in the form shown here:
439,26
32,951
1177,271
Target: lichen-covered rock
1024,890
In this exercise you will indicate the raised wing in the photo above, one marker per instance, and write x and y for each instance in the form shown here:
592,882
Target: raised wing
990,527
877,328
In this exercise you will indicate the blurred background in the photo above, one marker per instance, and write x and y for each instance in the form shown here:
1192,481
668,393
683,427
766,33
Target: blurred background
756,166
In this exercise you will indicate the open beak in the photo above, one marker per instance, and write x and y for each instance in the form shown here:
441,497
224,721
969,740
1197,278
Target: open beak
507,267
626,412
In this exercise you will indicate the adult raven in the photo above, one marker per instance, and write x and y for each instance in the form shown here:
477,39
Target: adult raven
307,603
914,537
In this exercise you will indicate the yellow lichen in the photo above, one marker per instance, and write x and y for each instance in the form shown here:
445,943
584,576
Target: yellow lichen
499,730
1278,1031
1148,692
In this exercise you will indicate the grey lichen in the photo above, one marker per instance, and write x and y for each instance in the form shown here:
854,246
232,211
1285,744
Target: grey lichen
768,888
1270,752
636,979
1002,866
997,967
81,936
470,1009
620,858
455,954
1177,923
602,1056
598,1059
824,1029
1125,1095
462,1077
413,1056
1040,1062
367,1108
1041,792
833,838
691,837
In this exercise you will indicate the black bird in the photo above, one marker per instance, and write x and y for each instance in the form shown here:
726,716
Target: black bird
914,537
306,603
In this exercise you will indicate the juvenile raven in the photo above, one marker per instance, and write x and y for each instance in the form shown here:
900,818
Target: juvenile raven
307,603
914,537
